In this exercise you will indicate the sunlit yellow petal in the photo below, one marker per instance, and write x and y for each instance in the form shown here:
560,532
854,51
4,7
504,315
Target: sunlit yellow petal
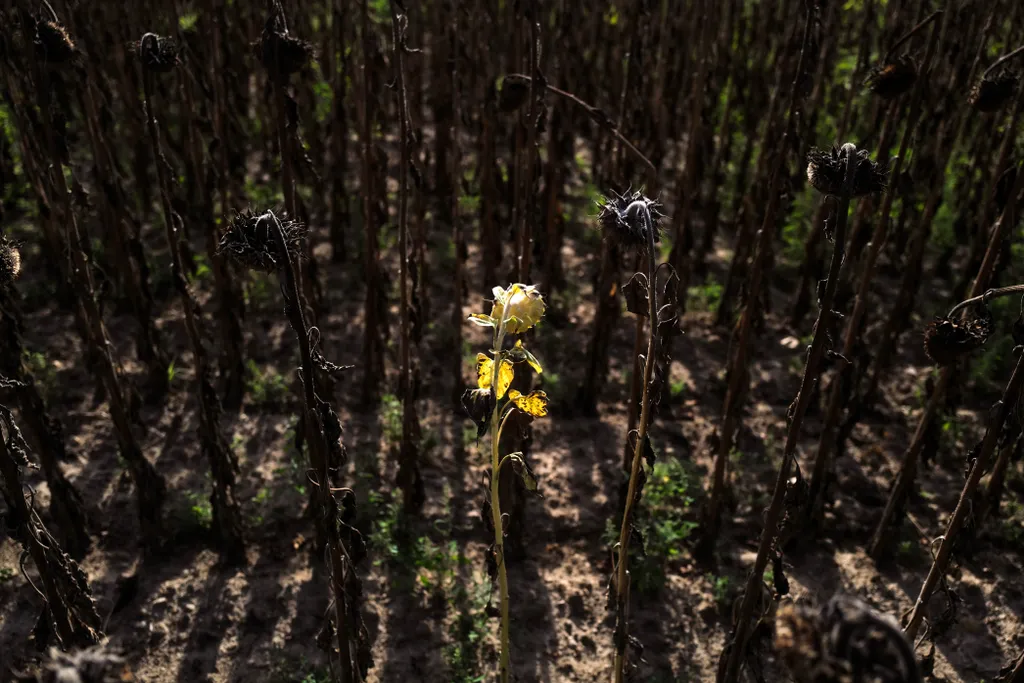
536,404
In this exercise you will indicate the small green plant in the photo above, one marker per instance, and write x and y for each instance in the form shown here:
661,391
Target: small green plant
704,297
200,509
678,388
266,388
720,587
391,418
43,371
6,574
666,523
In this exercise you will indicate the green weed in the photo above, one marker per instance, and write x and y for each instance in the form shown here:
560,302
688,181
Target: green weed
266,388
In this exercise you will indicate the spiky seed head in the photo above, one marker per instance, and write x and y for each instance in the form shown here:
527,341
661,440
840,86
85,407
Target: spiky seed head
992,93
10,262
52,43
623,220
826,171
893,78
945,340
158,54
513,94
250,241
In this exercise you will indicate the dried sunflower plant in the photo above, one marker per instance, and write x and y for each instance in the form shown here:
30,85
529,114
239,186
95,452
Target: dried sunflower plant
845,173
946,339
630,220
265,242
515,310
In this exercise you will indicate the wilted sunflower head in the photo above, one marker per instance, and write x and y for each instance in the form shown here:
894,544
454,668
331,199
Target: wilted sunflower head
945,339
623,219
513,93
251,243
158,54
52,43
10,262
892,78
525,307
281,53
846,641
826,171
992,92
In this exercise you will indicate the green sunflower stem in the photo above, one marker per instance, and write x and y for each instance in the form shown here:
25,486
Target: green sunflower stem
499,541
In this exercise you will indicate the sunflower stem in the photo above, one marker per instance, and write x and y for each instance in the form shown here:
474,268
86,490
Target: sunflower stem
622,572
986,297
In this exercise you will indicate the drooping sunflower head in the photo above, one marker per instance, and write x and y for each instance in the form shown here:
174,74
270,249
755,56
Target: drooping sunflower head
627,219
250,241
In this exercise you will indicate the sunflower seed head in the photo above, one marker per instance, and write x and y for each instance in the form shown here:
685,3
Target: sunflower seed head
945,339
158,54
623,219
513,94
826,171
992,93
846,641
52,43
10,262
281,53
893,78
251,243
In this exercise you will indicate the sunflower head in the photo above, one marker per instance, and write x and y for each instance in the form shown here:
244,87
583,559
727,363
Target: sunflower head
251,243
893,78
158,54
52,43
946,339
624,219
993,92
826,172
10,262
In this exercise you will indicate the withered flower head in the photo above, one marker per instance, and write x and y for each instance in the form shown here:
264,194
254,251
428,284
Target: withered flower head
513,94
844,642
992,92
893,78
10,262
251,243
281,53
826,171
158,54
624,221
52,42
945,340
